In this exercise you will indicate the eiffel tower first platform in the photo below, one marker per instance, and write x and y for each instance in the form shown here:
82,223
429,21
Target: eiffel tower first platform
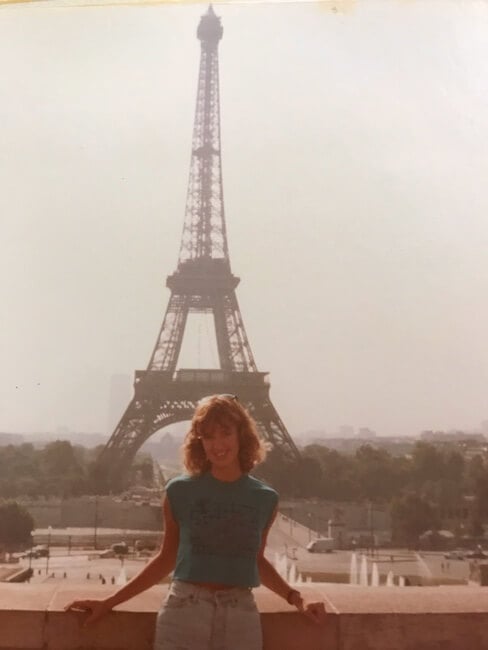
202,283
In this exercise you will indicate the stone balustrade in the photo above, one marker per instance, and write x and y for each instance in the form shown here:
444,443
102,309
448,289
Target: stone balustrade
32,617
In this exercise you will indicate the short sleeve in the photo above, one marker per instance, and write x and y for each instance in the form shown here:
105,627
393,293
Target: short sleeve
272,499
173,488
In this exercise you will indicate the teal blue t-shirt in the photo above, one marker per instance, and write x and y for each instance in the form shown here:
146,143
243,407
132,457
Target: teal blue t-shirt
220,526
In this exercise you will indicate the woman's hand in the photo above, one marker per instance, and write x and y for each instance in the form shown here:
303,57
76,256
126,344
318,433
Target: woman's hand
97,608
315,610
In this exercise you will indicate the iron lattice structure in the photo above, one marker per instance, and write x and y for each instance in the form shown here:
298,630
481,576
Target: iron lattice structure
203,282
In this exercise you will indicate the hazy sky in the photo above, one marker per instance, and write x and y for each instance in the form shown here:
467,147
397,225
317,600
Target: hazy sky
355,164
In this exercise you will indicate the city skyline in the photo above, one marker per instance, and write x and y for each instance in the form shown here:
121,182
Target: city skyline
353,171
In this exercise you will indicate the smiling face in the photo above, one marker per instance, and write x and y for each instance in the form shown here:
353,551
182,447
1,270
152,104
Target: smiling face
220,440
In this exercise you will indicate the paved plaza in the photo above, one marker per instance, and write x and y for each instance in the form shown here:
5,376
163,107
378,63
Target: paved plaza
286,539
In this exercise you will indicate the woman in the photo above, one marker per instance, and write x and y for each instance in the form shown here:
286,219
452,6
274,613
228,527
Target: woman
216,522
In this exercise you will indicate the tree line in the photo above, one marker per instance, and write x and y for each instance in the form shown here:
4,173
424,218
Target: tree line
59,469
417,487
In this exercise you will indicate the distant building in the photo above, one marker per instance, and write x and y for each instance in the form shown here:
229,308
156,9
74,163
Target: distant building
366,433
166,450
11,439
453,436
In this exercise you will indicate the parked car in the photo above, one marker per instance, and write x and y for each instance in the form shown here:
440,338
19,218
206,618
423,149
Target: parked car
476,555
27,554
36,552
120,548
42,550
324,545
455,555
145,545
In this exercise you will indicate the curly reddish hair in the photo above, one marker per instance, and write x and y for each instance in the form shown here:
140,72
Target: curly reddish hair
222,409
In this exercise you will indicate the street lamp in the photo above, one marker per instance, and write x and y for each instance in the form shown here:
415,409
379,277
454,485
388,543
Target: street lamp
49,529
95,524
30,557
371,527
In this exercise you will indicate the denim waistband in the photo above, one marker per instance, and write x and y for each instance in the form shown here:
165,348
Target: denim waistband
185,589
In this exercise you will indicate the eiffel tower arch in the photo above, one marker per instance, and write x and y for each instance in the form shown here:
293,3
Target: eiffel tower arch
202,283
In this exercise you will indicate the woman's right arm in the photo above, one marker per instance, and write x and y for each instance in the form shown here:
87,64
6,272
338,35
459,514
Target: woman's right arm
160,566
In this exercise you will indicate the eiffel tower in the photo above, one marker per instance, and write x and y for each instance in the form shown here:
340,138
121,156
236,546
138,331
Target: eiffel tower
202,283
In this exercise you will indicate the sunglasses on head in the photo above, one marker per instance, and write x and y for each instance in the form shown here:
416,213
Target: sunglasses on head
223,395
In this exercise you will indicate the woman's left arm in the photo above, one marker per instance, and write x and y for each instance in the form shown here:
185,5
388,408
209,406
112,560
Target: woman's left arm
271,578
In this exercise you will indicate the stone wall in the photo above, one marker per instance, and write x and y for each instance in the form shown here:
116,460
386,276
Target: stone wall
108,512
359,618
357,518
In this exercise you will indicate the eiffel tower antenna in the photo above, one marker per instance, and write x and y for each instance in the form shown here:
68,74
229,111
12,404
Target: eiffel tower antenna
202,283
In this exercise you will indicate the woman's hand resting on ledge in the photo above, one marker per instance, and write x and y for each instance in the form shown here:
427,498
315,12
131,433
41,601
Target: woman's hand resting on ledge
97,608
315,611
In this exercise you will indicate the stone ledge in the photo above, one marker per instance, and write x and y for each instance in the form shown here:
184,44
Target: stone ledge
359,618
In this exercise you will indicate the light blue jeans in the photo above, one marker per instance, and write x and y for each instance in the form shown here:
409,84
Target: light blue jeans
195,618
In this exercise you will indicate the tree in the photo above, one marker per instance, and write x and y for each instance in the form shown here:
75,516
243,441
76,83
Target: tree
17,465
16,525
373,463
481,495
63,475
338,473
308,477
427,464
411,515
454,467
278,471
475,470
475,527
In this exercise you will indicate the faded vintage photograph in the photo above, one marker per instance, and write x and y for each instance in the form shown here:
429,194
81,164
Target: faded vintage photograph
243,281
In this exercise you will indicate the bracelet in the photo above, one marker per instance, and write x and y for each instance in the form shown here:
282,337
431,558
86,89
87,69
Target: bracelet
290,594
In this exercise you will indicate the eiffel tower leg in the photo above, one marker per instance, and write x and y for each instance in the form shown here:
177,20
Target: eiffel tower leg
116,458
140,421
272,428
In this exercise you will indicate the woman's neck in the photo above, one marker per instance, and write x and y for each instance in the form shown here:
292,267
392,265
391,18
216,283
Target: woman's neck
226,474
